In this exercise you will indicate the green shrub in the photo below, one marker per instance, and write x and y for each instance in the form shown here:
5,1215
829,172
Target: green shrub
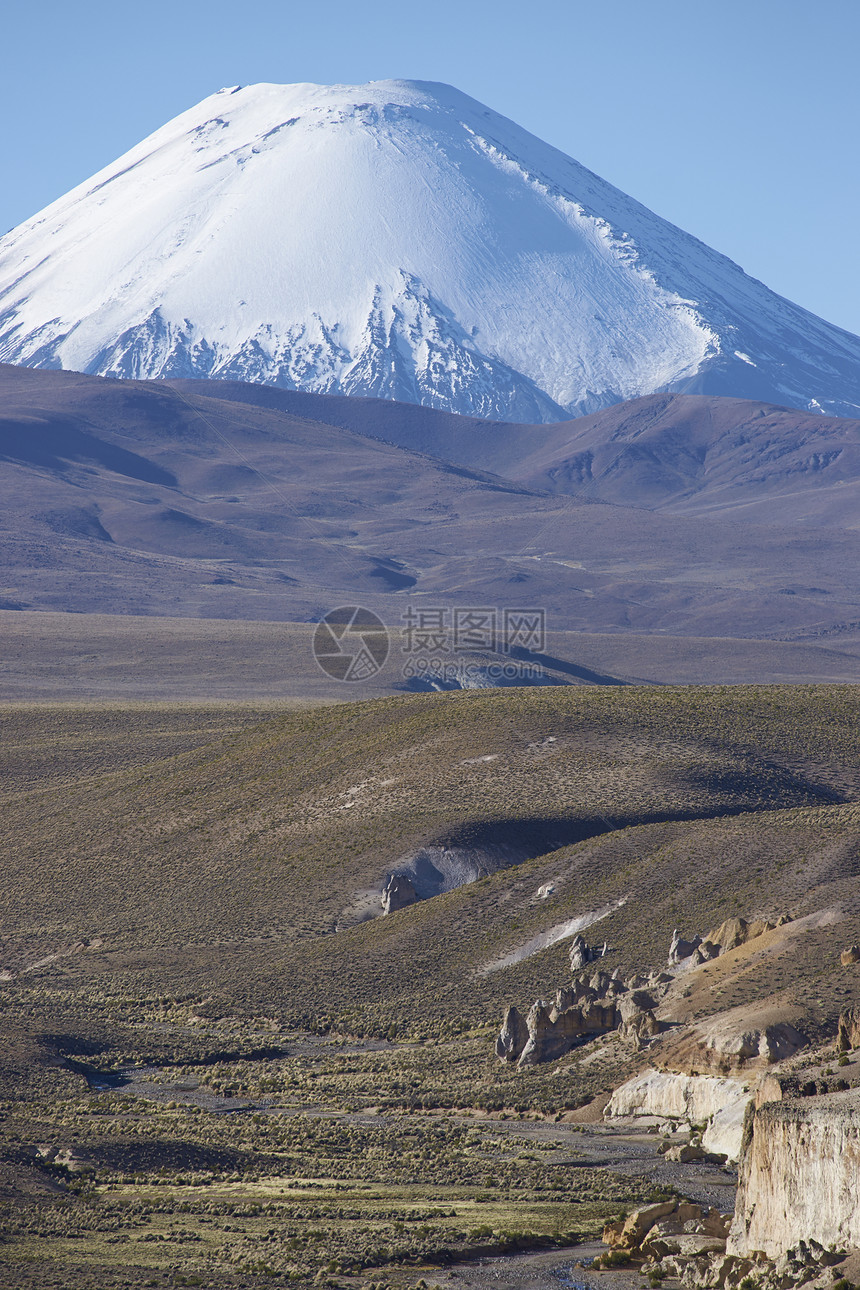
612,1259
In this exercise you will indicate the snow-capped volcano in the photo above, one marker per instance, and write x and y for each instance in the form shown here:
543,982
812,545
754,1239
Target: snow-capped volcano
395,239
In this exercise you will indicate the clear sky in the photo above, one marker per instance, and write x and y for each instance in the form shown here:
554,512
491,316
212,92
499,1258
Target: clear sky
736,119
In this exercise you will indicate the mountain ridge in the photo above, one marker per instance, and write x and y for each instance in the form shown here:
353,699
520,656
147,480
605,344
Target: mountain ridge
148,498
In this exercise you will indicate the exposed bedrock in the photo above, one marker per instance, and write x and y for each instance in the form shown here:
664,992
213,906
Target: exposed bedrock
734,1041
473,851
848,1036
587,1008
728,936
397,893
800,1176
717,1101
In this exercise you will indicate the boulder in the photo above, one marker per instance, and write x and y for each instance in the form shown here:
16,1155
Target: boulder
723,1138
847,957
684,1153
689,1232
629,1234
713,1223
693,1245
397,893
717,1271
513,1036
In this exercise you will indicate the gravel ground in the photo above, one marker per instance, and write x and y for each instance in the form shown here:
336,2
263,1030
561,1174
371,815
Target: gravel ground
624,1152
557,1270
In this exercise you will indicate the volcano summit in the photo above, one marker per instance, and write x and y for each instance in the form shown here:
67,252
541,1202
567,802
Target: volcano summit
396,239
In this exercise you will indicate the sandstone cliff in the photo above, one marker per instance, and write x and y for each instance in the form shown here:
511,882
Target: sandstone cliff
800,1176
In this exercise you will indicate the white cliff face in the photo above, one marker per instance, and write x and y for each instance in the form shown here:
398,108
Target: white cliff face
724,1135
800,1176
686,1097
722,1101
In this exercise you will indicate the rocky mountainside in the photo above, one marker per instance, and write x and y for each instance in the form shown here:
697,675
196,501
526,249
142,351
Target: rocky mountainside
401,240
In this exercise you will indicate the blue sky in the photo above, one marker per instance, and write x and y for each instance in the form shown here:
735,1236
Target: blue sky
737,121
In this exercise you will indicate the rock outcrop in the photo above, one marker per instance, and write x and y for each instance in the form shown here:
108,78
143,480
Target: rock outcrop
728,936
581,953
695,1245
848,1035
716,1101
725,1043
731,1042
737,931
587,1008
397,893
638,1022
553,1031
513,1036
681,949
702,1264
800,1176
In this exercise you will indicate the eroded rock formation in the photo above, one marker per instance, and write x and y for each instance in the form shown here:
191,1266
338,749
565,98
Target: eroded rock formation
732,1040
581,953
728,936
580,1011
513,1036
554,1030
848,1035
397,893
